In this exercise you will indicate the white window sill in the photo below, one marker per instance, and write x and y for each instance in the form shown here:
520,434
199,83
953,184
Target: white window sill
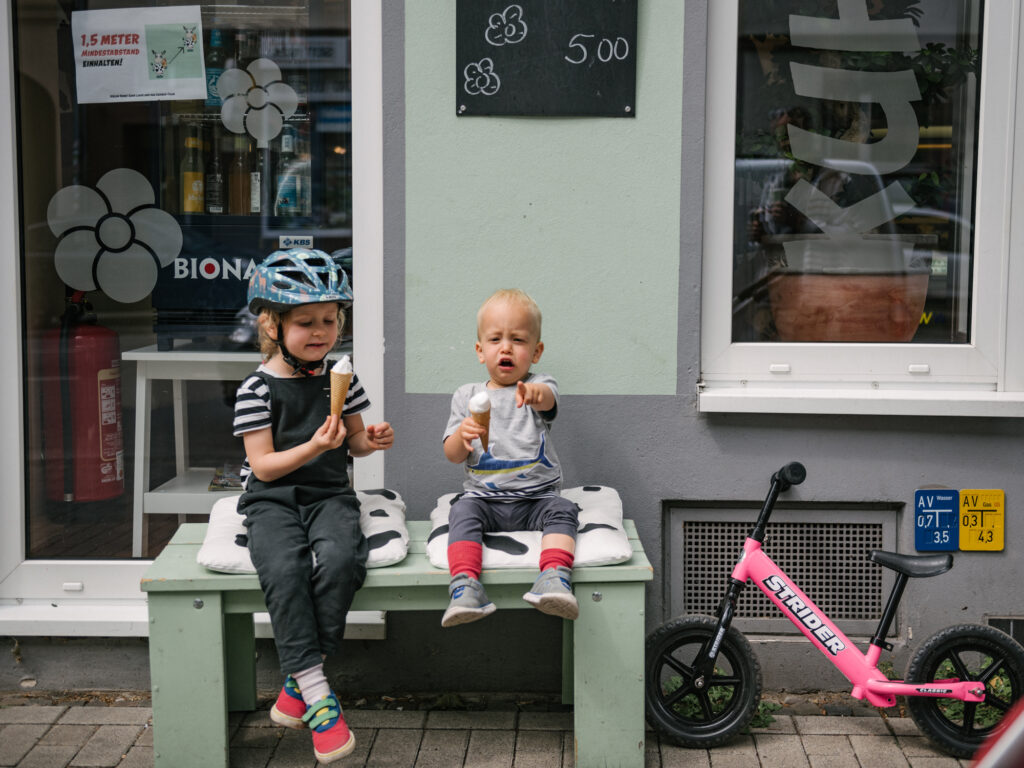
879,402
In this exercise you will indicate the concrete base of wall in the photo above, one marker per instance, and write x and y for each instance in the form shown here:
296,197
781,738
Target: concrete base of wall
418,656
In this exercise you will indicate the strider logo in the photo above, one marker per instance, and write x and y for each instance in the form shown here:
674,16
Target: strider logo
806,615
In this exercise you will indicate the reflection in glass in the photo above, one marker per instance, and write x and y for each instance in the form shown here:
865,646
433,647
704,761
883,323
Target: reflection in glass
854,183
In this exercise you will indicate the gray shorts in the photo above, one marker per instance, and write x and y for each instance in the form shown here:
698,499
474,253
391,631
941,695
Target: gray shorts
472,516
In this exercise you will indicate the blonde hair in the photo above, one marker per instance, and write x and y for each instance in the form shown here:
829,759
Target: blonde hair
270,318
512,296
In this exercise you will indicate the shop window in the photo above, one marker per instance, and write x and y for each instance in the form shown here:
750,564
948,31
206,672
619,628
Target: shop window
163,151
853,219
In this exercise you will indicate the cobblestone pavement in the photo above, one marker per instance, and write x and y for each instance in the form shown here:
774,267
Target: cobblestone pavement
84,730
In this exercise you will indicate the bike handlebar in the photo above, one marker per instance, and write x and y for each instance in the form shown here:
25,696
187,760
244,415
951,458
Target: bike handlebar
793,473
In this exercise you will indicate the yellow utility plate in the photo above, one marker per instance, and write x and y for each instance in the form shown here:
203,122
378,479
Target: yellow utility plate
982,519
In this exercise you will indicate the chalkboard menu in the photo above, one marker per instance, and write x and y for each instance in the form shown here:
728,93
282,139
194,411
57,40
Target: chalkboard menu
539,57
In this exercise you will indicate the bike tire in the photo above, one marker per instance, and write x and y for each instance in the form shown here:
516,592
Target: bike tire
967,652
676,708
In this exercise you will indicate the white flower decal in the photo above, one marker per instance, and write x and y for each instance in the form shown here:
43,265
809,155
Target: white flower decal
112,238
256,100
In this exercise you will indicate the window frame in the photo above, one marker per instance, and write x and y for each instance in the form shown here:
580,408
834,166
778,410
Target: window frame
102,597
979,378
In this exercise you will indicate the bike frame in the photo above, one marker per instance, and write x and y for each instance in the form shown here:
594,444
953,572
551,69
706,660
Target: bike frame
859,668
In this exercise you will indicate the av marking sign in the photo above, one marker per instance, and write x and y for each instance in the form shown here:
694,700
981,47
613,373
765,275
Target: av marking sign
936,523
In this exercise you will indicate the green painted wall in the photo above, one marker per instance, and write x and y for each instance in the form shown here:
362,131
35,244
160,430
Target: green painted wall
582,213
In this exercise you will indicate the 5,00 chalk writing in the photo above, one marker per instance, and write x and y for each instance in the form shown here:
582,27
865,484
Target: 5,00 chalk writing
606,49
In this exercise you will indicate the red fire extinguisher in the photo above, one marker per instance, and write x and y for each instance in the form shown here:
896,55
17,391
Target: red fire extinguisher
84,444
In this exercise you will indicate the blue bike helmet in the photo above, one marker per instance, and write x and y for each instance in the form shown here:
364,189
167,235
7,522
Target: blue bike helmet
293,278
289,279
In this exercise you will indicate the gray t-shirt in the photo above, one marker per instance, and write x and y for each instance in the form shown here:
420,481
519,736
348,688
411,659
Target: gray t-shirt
520,461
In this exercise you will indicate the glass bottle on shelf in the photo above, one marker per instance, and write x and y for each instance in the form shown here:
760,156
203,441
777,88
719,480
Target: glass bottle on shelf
306,190
245,48
215,178
239,48
238,178
214,67
287,181
170,195
296,75
255,180
193,171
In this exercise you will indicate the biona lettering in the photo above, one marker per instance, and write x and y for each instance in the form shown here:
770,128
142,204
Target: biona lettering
212,269
806,615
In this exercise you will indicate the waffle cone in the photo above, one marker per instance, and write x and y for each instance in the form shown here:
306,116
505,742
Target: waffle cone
484,420
339,391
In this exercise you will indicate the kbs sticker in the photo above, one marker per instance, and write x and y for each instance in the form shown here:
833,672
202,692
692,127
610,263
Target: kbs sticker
936,520
982,519
295,241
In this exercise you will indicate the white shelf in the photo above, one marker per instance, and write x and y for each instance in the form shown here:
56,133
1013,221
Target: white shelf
185,363
186,494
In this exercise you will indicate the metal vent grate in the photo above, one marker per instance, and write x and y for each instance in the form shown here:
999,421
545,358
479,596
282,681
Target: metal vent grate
828,561
1011,625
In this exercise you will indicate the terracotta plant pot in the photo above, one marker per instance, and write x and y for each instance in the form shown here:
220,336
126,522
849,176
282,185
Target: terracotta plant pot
855,307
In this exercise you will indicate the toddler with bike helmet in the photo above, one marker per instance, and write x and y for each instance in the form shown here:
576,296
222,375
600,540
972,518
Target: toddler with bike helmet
301,512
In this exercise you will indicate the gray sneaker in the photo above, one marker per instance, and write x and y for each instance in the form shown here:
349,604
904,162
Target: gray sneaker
469,602
552,593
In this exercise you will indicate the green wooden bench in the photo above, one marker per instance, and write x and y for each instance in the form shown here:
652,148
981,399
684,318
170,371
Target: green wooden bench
201,639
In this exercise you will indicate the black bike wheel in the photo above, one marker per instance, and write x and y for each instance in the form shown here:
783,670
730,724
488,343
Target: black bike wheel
678,706
966,652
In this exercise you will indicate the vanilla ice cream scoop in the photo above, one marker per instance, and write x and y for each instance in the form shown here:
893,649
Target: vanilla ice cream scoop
344,365
341,377
479,403
480,411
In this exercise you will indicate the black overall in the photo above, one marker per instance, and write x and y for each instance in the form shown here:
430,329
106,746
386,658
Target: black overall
312,511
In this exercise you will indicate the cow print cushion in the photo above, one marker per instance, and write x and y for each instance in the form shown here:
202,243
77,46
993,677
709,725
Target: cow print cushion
601,539
381,516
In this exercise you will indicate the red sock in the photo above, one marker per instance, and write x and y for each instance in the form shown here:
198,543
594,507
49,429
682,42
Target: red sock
552,557
465,557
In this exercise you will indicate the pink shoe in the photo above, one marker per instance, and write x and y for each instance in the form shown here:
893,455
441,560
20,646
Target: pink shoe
289,708
332,739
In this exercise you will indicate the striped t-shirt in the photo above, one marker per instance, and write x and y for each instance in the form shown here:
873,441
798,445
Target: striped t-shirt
252,406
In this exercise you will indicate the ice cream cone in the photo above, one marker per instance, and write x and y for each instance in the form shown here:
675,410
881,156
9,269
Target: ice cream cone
339,391
484,420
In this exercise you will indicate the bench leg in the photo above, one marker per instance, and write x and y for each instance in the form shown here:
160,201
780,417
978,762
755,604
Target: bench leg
608,675
240,663
567,665
190,714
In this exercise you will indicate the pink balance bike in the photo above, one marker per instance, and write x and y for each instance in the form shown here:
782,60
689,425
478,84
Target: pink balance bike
703,681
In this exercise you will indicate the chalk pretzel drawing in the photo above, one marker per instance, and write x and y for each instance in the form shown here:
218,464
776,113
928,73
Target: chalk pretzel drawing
480,78
507,27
